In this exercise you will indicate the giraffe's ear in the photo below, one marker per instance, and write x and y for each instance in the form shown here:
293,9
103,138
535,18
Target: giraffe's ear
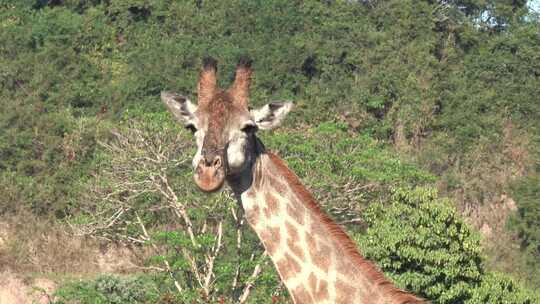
181,107
271,114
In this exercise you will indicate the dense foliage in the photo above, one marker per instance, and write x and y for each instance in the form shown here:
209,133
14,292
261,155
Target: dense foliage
110,289
388,95
431,251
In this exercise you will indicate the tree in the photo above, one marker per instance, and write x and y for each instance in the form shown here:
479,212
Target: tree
423,245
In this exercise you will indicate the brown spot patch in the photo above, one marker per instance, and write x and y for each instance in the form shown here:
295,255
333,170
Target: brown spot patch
322,291
283,268
293,240
312,280
271,238
272,205
320,253
295,249
278,185
347,268
311,242
251,194
292,233
296,212
293,264
371,297
288,267
317,228
301,295
253,215
344,292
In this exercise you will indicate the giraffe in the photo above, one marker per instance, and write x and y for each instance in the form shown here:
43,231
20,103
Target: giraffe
314,257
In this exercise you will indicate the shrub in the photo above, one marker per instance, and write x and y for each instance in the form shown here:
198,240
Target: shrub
500,288
422,244
109,290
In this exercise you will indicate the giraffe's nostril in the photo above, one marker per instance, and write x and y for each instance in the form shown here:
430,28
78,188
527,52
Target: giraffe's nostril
217,162
213,162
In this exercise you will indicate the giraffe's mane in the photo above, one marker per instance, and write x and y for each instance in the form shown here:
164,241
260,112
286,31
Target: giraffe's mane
348,246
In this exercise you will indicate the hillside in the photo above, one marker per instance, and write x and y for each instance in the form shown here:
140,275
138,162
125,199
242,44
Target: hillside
410,116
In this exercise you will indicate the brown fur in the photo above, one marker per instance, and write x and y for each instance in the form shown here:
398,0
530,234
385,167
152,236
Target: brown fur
207,85
283,268
346,244
292,241
295,249
253,216
288,267
220,110
319,288
346,268
302,296
242,79
277,185
271,239
251,194
319,253
293,264
258,178
312,281
272,205
321,293
296,213
344,292
292,233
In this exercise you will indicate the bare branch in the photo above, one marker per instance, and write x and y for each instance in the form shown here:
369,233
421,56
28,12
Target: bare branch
239,219
167,266
139,163
211,258
251,281
181,209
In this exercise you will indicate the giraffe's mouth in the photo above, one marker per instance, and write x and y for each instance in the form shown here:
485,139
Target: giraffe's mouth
209,178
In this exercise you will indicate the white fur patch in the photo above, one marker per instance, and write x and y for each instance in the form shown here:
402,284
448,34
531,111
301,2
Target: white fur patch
271,115
236,151
199,138
180,106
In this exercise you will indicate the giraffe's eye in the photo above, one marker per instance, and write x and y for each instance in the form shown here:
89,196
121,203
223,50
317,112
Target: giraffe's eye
249,128
191,127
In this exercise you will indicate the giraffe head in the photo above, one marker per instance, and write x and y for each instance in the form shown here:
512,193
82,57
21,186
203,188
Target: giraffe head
223,125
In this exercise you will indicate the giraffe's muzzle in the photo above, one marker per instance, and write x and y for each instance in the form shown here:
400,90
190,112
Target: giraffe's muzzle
210,173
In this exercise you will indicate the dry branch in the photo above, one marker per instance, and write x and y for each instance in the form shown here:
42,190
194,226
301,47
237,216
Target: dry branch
140,163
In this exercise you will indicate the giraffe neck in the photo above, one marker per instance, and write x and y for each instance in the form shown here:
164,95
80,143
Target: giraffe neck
316,260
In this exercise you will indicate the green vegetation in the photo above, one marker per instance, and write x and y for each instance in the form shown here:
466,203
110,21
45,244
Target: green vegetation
393,99
110,289
526,221
431,251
